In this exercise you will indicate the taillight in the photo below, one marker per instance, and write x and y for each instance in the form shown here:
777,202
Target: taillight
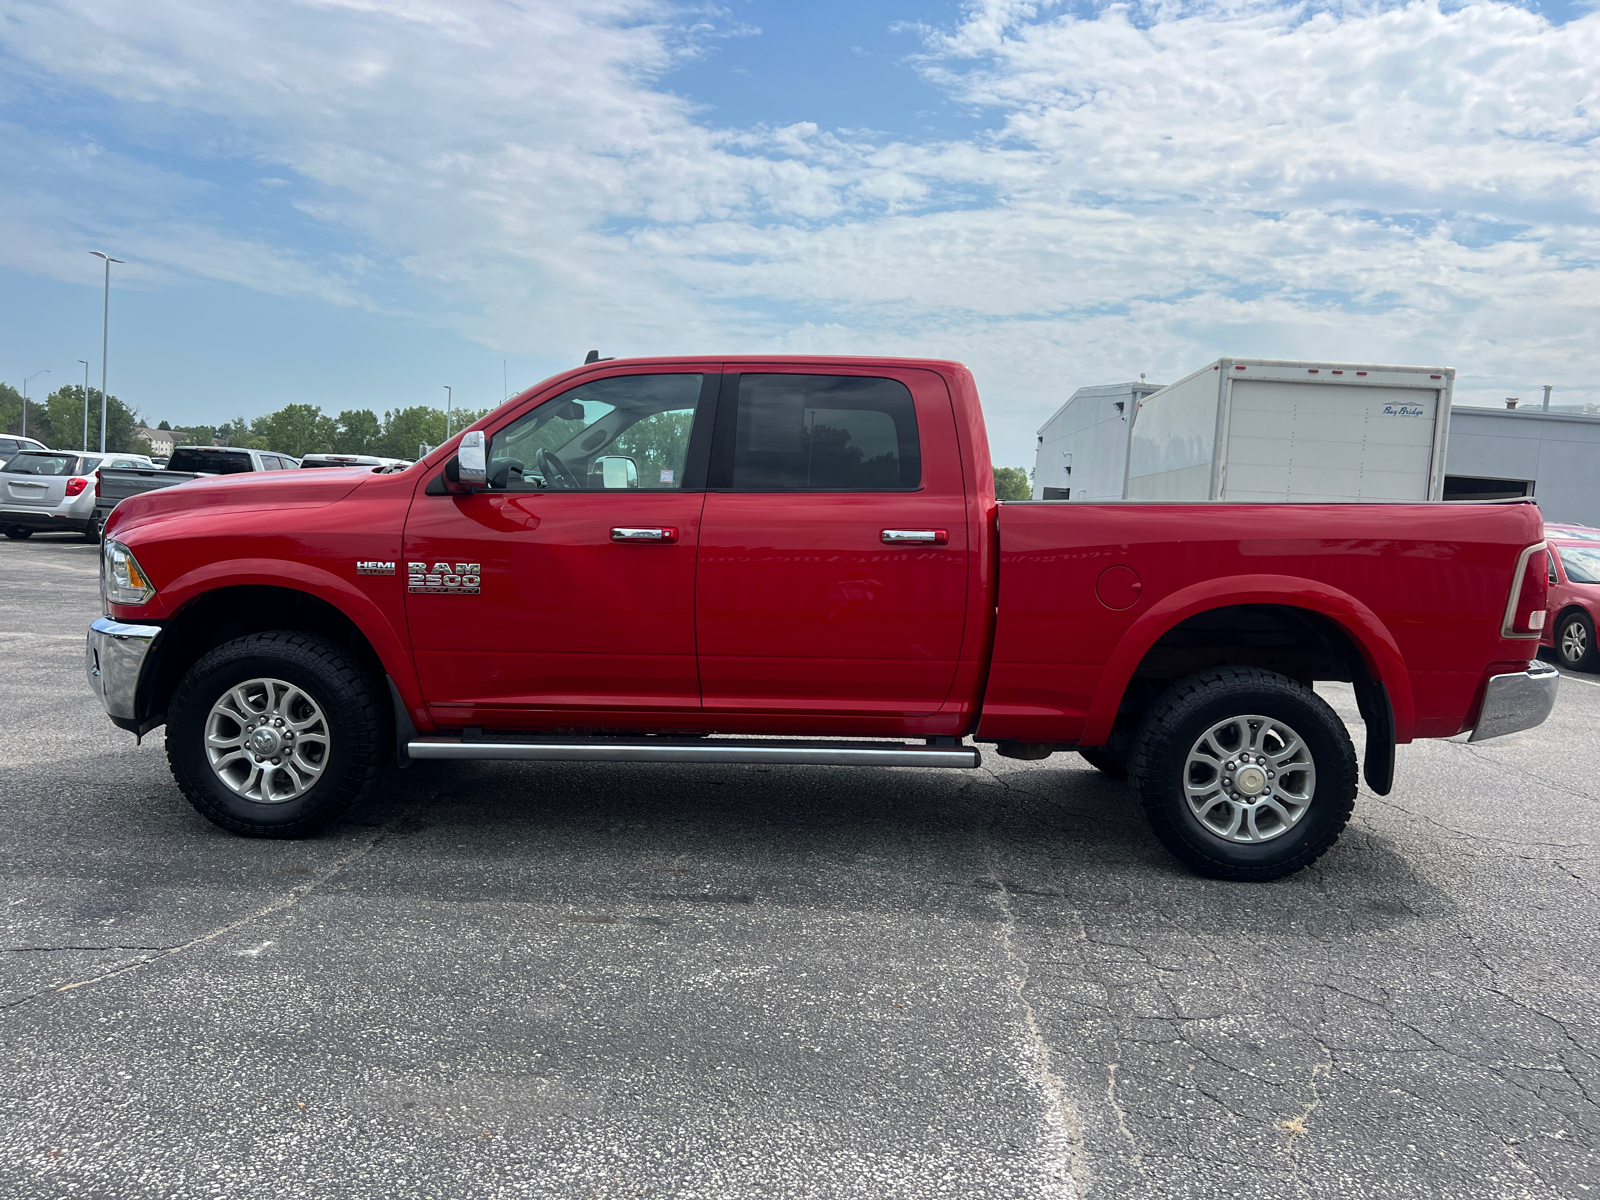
1530,594
97,485
75,486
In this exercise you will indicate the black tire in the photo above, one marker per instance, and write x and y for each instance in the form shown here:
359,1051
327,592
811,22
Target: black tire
91,531
17,533
339,686
1107,761
1175,724
1575,641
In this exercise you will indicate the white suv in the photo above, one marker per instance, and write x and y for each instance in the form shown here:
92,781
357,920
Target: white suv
54,490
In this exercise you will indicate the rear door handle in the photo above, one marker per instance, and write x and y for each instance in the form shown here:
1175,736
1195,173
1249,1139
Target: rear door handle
654,533
916,537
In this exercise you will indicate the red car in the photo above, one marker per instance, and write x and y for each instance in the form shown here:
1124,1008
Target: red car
769,560
1574,602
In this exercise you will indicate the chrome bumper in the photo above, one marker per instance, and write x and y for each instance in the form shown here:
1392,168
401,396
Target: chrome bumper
113,659
1517,701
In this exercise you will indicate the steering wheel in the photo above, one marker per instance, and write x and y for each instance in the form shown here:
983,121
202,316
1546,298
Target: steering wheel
554,470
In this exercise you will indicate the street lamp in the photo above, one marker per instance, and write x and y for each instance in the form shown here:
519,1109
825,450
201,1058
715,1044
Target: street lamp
35,375
449,398
85,363
105,333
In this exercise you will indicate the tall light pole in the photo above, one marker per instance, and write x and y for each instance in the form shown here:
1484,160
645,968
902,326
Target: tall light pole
449,399
35,375
105,336
85,363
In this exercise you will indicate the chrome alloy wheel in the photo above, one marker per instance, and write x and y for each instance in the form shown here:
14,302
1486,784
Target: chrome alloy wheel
1574,640
267,740
1249,779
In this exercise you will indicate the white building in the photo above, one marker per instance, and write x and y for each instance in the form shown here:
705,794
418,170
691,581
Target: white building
1552,456
162,441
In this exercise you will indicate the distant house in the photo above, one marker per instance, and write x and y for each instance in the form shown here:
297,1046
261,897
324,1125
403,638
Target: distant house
161,441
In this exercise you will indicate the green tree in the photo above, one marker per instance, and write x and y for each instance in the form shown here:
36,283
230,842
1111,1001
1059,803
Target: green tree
404,429
237,432
165,426
11,415
295,429
1011,483
65,419
357,431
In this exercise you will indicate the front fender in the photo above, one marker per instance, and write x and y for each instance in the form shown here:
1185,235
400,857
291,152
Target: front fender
1378,648
306,577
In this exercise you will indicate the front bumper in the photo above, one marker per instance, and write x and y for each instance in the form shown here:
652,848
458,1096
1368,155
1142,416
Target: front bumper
114,659
1516,701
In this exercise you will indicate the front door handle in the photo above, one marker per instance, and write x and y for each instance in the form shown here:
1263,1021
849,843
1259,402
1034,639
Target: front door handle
916,537
654,533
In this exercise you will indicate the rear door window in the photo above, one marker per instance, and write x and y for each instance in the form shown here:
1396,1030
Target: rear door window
821,433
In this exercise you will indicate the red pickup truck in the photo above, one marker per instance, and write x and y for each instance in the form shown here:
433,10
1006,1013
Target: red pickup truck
787,560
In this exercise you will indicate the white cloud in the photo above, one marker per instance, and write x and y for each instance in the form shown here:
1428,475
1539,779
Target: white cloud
1164,183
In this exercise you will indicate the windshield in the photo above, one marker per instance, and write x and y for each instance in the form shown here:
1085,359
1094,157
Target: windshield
34,462
1581,563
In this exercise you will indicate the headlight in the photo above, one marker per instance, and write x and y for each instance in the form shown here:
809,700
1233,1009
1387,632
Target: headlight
122,580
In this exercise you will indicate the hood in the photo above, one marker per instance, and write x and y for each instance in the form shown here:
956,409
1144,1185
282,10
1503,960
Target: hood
242,493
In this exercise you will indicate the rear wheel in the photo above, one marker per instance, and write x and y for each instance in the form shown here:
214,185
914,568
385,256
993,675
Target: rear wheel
275,734
17,533
1575,642
91,531
1244,774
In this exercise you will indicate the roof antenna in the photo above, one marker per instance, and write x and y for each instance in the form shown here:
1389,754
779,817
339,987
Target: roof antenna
592,357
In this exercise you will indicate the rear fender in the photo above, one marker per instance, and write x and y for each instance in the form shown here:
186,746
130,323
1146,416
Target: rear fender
1377,645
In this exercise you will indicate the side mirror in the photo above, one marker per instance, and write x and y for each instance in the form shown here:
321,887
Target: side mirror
472,460
617,471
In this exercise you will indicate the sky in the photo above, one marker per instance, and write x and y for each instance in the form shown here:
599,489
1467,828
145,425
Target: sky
353,203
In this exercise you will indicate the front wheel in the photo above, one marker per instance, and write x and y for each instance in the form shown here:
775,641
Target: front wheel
1575,642
1244,774
17,533
275,734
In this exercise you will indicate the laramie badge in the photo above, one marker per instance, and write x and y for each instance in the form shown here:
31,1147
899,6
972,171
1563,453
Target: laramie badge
456,579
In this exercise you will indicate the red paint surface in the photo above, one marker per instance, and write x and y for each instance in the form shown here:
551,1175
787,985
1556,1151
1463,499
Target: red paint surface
785,612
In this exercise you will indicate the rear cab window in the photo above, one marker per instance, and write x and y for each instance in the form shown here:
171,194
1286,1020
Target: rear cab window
213,462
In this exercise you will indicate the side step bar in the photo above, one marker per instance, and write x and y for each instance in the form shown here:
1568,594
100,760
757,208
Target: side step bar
696,750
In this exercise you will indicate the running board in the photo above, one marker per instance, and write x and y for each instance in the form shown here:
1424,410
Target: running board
696,750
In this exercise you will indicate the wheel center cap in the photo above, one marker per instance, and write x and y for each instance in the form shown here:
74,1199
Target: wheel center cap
1251,781
266,742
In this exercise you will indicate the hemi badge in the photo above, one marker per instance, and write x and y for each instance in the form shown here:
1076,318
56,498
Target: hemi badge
374,568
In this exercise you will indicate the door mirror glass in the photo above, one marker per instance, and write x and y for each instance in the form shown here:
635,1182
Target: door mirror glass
616,471
473,460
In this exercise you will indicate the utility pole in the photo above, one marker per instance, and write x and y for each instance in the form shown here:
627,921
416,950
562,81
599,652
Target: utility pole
85,363
449,398
105,335
35,375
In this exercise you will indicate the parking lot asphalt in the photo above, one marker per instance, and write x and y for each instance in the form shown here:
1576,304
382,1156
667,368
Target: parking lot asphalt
628,980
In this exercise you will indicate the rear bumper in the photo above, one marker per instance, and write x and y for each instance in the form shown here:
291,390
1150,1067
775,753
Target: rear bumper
114,660
1516,701
46,518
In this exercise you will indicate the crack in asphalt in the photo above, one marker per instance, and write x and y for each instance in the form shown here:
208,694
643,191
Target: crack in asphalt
281,904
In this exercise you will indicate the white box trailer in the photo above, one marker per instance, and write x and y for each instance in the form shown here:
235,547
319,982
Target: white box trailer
1082,452
1265,430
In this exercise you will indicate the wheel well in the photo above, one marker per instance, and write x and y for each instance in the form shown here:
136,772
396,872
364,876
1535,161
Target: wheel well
1569,610
1297,642
227,613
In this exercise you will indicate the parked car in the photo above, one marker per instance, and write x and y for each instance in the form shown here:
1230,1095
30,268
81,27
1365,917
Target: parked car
54,490
636,559
185,464
1574,603
1571,533
353,460
12,443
